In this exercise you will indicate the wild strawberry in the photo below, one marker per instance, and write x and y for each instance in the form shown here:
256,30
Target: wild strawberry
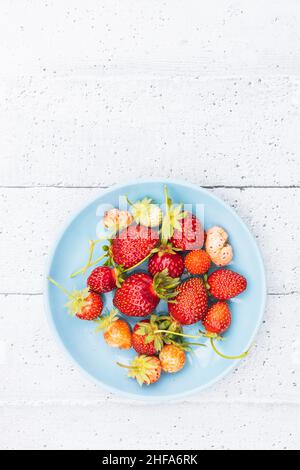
166,258
190,234
225,284
133,244
197,262
102,279
83,304
116,220
216,245
143,339
116,331
144,369
190,304
217,319
172,358
140,294
146,213
149,336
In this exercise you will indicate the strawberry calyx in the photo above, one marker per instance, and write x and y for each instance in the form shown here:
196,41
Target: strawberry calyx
104,322
173,214
145,212
141,368
209,335
205,282
156,322
78,298
167,248
164,286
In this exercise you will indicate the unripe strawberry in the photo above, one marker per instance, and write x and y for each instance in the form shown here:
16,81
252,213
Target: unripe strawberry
144,369
172,358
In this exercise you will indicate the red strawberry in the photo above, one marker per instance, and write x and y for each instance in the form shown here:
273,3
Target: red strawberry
166,258
84,304
181,228
218,318
140,294
197,262
133,244
141,338
225,284
149,336
190,305
102,279
145,369
172,358
116,331
190,235
88,307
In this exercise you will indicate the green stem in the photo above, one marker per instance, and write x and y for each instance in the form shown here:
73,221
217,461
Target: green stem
196,344
164,240
130,203
68,294
82,270
138,264
91,252
127,367
177,334
92,248
241,356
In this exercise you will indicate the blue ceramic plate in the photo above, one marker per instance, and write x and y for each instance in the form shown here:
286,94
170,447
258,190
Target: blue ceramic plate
88,349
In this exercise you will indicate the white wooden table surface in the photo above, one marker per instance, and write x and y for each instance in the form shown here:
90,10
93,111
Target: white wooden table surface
97,92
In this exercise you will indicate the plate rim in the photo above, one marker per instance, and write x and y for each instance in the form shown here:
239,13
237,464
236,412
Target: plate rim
56,240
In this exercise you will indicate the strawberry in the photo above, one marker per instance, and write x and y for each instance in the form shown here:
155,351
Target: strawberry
166,258
172,358
190,304
190,234
133,244
102,279
140,294
143,339
116,220
197,262
116,331
149,336
217,319
145,369
181,228
83,304
225,284
145,212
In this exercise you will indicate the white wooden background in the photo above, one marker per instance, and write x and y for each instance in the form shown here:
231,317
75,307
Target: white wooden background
96,92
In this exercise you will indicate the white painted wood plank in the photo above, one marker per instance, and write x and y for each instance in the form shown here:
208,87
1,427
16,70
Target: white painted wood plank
235,426
138,36
236,132
31,218
30,356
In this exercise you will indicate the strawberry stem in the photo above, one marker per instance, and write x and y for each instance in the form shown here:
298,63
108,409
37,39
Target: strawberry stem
92,248
127,367
68,294
177,334
128,201
84,269
139,263
241,356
